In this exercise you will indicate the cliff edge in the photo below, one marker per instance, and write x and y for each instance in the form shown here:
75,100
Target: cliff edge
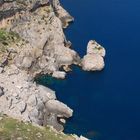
32,43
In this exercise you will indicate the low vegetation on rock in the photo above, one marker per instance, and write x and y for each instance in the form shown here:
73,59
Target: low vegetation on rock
11,129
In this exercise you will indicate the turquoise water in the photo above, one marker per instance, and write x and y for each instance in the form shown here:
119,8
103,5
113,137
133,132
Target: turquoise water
106,104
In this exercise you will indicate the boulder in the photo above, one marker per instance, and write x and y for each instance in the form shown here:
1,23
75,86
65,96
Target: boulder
65,56
94,48
27,62
32,100
59,108
59,74
63,15
22,60
94,59
42,49
46,94
92,62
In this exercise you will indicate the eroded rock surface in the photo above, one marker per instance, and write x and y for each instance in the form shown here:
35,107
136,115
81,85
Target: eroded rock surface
22,99
1,91
32,42
59,74
94,59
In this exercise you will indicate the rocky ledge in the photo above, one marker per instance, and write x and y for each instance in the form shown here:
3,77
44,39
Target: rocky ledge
32,43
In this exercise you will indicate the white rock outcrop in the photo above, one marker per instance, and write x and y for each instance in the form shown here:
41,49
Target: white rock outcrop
94,59
59,74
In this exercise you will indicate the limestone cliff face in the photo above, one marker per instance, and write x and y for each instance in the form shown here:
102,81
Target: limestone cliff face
40,24
13,10
32,42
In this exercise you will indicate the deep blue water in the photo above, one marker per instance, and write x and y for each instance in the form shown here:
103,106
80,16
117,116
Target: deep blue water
106,104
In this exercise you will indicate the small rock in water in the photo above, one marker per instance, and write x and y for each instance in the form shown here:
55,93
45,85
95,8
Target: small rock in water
59,74
63,121
94,59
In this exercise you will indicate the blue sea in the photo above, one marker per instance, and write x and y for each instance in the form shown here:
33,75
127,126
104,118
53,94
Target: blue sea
106,104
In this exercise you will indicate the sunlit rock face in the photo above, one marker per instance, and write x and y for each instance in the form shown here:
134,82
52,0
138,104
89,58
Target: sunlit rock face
94,59
33,43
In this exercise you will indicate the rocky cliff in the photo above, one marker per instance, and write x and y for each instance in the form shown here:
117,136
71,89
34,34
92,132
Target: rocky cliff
32,43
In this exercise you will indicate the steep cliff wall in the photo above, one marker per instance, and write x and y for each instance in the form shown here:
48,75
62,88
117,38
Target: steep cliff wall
32,42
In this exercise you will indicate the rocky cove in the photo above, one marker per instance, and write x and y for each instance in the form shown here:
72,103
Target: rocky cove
32,43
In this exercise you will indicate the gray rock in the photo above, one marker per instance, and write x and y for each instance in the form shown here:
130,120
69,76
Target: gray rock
21,106
92,62
27,62
63,121
65,56
59,108
94,48
62,13
40,104
41,115
41,50
34,113
32,100
46,94
59,74
1,91
18,61
51,120
34,116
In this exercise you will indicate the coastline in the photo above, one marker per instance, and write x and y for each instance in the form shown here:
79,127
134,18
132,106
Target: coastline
40,48
21,98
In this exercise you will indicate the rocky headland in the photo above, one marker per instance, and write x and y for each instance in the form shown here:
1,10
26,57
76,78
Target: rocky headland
32,43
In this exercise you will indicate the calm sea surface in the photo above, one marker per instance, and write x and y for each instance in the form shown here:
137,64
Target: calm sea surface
106,104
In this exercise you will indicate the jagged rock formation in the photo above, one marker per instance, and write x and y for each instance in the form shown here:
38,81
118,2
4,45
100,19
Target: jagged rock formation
13,11
46,50
22,99
93,60
32,44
